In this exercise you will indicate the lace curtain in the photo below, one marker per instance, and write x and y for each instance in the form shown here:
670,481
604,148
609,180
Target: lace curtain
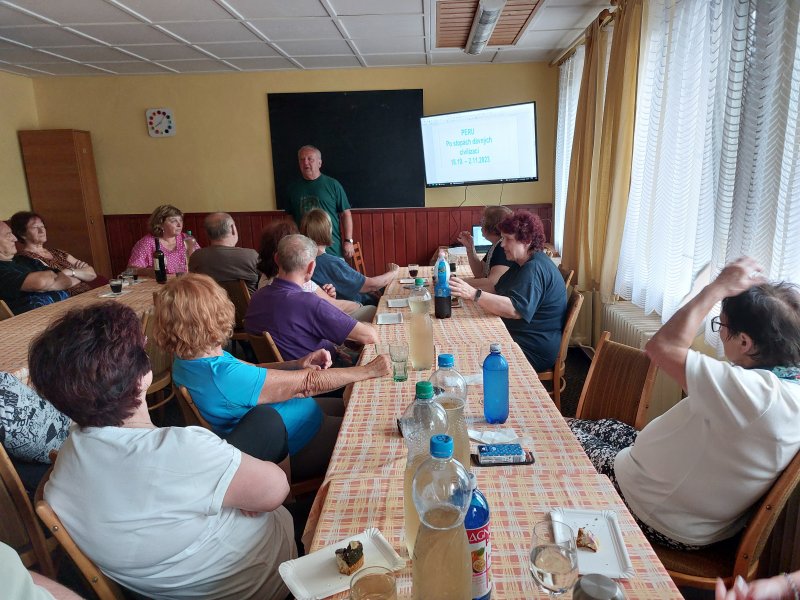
715,158
569,84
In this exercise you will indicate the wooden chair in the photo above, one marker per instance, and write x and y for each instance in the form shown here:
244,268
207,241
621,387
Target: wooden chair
105,588
741,554
358,259
191,414
5,312
161,390
618,385
265,348
18,525
567,275
239,294
556,374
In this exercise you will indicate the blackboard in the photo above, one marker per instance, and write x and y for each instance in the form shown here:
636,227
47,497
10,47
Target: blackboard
370,141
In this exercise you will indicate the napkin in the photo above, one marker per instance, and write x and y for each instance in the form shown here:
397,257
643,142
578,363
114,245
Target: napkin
494,436
473,378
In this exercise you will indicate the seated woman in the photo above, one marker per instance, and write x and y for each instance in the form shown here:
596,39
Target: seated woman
350,284
30,428
694,472
270,238
487,271
31,232
25,283
166,226
530,297
193,320
174,512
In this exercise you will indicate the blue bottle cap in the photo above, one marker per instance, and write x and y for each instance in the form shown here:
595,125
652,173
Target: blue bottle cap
446,360
441,446
424,389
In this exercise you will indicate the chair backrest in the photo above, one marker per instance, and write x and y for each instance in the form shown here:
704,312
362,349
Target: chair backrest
240,296
618,385
358,259
191,414
18,525
5,312
762,521
160,361
265,348
105,588
566,274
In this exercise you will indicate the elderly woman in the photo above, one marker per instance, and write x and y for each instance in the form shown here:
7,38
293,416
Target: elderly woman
694,472
193,320
166,226
350,284
170,512
530,297
29,229
270,238
487,271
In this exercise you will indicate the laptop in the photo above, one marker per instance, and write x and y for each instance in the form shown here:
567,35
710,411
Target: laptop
481,243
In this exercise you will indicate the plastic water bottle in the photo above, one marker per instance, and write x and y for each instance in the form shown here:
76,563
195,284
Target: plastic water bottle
422,419
450,390
189,244
495,386
443,306
420,344
476,523
441,489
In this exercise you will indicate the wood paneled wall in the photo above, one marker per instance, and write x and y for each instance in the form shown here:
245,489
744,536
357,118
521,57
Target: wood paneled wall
402,235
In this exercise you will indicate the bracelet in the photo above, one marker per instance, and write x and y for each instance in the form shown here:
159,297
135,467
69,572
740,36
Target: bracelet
792,585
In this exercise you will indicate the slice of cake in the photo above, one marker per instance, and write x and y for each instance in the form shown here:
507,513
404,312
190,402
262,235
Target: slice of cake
350,558
586,540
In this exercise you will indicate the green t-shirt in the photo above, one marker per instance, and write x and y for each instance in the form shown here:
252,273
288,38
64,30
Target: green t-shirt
323,192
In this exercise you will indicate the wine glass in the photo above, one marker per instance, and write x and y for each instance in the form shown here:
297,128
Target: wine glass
554,557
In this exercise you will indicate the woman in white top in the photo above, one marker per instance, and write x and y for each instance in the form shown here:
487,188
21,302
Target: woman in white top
171,512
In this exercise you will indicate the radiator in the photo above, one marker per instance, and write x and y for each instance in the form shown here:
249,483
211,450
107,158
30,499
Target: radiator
629,325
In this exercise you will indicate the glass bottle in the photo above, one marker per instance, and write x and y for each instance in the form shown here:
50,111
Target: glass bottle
450,390
159,265
422,419
495,386
441,564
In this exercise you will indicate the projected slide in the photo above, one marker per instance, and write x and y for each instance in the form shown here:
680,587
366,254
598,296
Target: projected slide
482,146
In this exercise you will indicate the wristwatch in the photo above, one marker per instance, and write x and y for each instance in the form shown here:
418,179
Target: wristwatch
477,296
351,240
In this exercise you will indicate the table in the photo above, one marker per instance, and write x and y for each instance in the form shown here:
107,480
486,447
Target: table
364,481
18,331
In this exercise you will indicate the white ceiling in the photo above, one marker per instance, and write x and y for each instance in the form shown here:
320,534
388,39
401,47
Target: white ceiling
127,37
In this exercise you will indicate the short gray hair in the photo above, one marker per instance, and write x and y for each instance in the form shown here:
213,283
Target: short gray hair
218,225
295,252
309,147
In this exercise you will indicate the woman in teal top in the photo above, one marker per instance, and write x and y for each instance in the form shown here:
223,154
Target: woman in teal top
193,319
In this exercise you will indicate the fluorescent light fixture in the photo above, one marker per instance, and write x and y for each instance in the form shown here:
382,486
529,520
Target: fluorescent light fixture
483,24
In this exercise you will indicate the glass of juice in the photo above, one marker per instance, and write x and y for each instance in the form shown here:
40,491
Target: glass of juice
373,583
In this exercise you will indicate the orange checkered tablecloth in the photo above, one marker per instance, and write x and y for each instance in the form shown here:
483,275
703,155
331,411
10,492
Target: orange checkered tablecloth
18,332
518,497
364,484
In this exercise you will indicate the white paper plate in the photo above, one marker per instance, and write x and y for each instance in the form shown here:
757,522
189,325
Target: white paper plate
390,318
315,576
611,558
412,280
113,295
397,302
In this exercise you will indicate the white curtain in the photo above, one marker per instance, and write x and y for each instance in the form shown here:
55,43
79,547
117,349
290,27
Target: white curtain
569,84
716,170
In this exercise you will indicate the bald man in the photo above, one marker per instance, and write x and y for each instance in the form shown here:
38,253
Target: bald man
221,259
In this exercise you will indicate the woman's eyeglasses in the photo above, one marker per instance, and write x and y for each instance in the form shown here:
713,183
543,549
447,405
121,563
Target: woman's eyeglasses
716,324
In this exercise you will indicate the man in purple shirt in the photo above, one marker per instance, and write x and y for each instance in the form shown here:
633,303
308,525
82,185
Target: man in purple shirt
299,322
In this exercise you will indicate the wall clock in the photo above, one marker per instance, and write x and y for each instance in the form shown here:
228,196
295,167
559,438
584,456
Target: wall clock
160,122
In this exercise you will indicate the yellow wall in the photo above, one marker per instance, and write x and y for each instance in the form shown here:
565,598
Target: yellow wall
17,111
220,157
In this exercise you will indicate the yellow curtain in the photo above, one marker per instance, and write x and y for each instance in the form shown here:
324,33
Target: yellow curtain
600,168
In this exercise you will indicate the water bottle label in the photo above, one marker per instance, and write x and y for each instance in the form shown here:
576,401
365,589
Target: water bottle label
480,551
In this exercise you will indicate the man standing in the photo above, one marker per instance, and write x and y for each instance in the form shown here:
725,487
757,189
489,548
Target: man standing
222,260
316,190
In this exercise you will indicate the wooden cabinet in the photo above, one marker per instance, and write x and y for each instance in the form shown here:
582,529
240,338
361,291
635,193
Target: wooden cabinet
62,184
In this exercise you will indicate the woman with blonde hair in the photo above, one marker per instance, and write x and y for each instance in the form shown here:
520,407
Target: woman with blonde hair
166,226
350,284
193,320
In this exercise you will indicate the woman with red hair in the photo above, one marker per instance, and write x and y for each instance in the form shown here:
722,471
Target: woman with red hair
530,297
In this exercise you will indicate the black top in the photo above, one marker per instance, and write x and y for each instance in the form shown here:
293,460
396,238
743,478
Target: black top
12,275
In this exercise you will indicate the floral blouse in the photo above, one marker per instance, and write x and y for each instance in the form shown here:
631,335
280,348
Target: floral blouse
142,254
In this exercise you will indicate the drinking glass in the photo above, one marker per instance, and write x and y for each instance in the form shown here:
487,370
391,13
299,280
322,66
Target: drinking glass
116,286
373,583
554,557
413,270
399,354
